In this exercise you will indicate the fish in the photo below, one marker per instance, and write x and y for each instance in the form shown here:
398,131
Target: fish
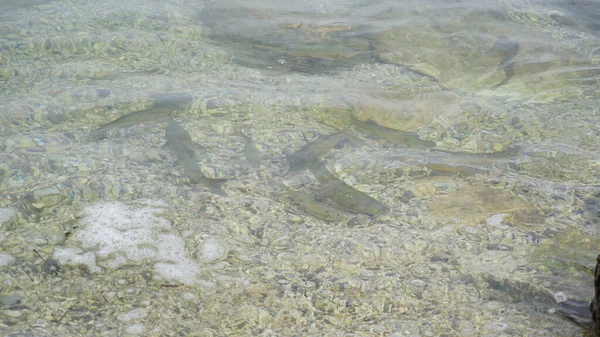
344,195
311,58
250,151
307,203
130,74
396,137
506,50
468,164
304,64
187,153
311,153
313,50
168,105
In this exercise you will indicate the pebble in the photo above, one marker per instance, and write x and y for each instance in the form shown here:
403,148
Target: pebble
212,250
135,329
497,326
496,219
13,313
134,314
53,305
6,259
10,299
189,296
26,143
5,214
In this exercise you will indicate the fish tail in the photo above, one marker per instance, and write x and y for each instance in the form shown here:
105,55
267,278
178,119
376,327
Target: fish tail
216,186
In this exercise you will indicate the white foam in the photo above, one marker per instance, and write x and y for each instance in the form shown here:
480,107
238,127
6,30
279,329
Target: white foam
115,227
185,271
560,297
76,256
170,248
122,234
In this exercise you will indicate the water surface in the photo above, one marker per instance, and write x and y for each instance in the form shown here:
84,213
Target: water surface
462,136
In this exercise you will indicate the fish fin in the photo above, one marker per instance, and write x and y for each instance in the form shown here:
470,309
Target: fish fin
304,136
216,186
237,131
355,140
279,185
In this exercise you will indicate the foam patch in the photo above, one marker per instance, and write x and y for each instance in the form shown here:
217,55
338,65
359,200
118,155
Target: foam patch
120,234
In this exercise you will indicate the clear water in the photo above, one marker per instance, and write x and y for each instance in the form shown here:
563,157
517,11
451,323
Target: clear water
476,124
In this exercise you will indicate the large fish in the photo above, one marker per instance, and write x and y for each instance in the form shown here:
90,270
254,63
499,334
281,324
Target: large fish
168,105
345,196
506,50
313,50
396,137
311,153
467,164
188,153
314,58
307,203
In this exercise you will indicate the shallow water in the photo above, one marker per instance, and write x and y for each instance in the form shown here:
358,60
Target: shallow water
476,125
